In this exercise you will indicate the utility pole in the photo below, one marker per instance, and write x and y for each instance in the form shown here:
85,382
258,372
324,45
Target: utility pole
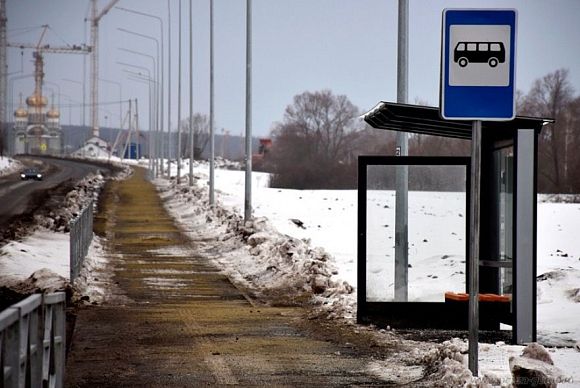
402,172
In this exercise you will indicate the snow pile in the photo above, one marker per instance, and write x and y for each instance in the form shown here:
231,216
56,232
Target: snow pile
227,164
8,165
59,217
536,368
558,296
43,248
275,266
559,198
446,363
40,249
95,284
41,281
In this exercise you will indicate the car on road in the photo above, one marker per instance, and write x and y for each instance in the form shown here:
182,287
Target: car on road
31,173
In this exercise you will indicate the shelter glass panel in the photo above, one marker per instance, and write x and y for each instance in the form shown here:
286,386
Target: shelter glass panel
437,229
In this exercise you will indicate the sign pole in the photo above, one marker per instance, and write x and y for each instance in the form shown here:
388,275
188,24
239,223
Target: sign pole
474,224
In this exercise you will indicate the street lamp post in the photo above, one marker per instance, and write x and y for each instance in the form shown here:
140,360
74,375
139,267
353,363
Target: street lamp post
158,98
179,99
248,176
140,78
169,89
118,84
152,110
82,85
150,101
161,115
191,139
11,98
211,129
57,86
11,87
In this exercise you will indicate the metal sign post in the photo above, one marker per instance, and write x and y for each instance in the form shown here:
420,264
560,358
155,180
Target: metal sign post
477,83
474,212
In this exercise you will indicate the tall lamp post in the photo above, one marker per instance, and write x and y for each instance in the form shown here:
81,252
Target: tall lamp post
152,110
140,78
162,62
179,98
191,139
402,172
82,85
150,100
248,180
211,124
118,84
158,96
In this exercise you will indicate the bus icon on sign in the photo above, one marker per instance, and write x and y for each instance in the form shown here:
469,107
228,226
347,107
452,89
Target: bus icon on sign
491,53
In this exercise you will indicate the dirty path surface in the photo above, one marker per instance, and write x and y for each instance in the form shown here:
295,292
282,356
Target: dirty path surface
174,320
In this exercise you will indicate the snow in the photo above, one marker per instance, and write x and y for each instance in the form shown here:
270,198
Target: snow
317,256
8,165
41,249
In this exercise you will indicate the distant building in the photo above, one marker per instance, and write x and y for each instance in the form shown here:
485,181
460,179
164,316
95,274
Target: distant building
37,130
95,147
260,160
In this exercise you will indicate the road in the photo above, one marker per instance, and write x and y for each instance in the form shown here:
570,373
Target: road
19,199
172,319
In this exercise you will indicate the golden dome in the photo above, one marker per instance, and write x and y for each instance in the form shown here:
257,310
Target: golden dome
53,114
37,101
20,113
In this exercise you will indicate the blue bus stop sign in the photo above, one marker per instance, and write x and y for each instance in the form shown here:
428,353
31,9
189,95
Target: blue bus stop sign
478,64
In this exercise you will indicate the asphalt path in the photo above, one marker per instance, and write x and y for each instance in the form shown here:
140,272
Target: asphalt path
174,320
20,198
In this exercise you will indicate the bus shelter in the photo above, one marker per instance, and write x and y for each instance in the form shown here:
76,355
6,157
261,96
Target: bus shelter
436,275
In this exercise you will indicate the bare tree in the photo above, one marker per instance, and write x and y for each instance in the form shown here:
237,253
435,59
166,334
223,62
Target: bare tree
313,145
200,123
2,140
572,171
551,97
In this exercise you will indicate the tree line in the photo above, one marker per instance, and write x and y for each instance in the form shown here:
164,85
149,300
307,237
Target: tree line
318,141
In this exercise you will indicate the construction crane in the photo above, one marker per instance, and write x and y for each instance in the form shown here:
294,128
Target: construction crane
39,49
37,101
95,19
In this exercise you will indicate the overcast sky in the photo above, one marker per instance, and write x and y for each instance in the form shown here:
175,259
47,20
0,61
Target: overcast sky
347,46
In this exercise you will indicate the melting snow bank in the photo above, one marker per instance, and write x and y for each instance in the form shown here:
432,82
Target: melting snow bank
39,262
8,165
285,269
501,366
268,264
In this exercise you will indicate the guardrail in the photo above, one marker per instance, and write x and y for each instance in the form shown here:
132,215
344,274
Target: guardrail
32,342
81,235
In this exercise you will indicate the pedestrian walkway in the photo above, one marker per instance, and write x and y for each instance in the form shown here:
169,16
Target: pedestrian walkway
178,322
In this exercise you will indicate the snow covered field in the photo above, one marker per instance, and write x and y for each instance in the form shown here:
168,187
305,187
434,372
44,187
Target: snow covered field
327,219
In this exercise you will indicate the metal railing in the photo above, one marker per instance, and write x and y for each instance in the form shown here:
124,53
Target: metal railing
33,341
81,235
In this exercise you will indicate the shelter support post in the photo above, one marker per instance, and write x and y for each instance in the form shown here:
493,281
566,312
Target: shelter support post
525,235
